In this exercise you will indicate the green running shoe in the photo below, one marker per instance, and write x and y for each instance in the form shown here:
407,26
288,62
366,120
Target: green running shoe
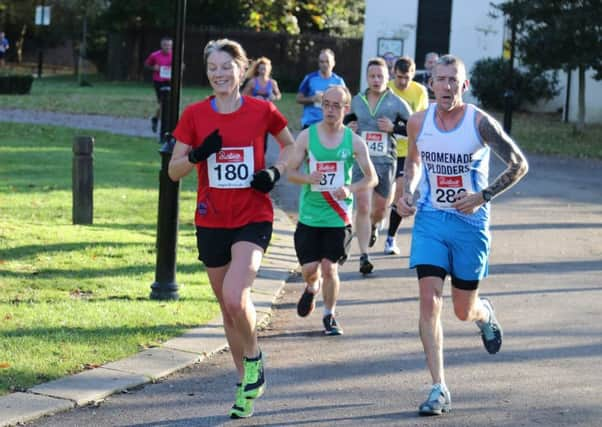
243,407
253,383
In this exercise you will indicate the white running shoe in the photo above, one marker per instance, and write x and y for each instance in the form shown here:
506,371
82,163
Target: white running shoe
391,247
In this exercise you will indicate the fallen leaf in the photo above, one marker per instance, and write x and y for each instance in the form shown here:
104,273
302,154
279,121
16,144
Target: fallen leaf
4,365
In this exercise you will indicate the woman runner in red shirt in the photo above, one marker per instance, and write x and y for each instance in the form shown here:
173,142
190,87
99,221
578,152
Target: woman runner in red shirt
222,137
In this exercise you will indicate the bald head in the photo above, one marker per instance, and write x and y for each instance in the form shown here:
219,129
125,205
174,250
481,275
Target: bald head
340,92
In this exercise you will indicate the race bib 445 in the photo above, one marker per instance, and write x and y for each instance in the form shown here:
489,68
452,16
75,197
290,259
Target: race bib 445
376,142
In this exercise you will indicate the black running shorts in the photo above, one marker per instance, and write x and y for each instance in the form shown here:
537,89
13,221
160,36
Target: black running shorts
313,244
214,244
159,88
400,164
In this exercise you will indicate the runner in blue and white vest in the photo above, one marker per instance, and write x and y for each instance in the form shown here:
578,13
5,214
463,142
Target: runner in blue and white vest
446,186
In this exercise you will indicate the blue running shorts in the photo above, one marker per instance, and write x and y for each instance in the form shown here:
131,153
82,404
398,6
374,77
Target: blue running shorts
443,239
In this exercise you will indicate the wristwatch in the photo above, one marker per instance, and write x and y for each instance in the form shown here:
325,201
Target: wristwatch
486,195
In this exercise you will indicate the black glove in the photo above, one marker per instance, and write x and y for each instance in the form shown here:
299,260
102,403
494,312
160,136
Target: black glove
211,144
399,126
265,179
351,117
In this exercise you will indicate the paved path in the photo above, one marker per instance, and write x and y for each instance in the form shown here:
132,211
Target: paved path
546,286
119,125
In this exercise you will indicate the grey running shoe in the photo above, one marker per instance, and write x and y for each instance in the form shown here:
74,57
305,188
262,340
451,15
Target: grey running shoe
366,266
491,332
331,327
438,401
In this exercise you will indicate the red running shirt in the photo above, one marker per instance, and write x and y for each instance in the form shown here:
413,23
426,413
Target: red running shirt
242,134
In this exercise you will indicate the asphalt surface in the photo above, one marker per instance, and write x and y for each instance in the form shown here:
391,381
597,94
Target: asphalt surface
117,125
545,284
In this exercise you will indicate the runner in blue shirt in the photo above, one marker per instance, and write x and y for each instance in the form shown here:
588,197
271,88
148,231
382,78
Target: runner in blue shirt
313,86
4,45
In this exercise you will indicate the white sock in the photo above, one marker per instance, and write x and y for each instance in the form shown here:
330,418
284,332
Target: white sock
328,311
314,287
443,386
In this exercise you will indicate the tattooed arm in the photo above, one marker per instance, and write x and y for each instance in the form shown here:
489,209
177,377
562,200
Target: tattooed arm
506,149
411,170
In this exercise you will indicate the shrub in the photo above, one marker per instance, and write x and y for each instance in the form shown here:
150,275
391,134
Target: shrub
488,83
15,84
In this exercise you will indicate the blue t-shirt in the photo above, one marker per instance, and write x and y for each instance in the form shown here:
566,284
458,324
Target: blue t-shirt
3,45
312,83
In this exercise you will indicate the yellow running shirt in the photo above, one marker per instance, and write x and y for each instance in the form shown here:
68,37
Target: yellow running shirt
417,98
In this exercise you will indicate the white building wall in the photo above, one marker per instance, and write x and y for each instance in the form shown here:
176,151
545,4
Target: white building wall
593,98
389,19
474,34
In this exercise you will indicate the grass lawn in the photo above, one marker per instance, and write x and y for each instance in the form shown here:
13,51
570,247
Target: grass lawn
547,134
77,296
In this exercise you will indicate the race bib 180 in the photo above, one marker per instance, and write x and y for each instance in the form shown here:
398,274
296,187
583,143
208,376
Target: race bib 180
376,142
332,175
231,168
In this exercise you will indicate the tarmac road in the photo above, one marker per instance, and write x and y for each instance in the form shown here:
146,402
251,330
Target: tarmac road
545,284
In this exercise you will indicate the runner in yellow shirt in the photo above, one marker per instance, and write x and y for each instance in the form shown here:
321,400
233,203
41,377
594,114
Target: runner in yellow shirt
416,96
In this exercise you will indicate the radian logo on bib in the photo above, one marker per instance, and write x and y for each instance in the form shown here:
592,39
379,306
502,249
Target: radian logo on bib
374,136
230,156
376,142
449,181
326,167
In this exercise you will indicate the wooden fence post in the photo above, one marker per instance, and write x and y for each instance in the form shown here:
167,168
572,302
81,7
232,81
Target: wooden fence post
83,180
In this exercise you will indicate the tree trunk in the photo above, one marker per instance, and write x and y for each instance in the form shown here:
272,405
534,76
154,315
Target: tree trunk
19,44
82,52
581,107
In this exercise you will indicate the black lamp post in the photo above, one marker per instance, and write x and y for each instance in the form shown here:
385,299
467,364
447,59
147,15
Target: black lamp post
41,33
509,94
165,286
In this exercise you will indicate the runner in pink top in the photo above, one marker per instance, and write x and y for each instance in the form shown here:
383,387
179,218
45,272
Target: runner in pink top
160,63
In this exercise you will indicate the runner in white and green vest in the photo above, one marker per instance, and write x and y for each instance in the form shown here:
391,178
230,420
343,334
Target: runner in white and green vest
322,161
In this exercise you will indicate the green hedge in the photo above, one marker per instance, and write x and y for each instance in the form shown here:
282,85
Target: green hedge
488,83
15,84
